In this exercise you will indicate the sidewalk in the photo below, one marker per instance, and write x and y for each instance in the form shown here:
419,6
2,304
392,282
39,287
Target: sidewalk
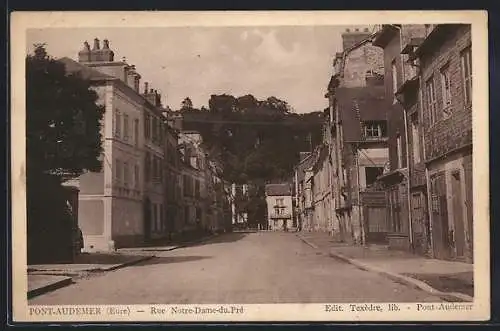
43,278
452,281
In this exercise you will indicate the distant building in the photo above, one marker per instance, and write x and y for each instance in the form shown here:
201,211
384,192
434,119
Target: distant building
279,206
303,206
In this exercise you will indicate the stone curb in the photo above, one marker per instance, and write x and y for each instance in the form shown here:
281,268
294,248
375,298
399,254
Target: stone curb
50,287
415,283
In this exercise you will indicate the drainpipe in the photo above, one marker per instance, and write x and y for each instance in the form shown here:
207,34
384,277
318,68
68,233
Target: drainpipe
408,184
427,177
361,221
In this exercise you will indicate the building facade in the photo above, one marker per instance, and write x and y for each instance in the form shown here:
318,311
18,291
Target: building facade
445,61
111,201
406,227
358,136
279,207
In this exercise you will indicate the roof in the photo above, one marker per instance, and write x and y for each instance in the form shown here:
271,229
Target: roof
87,73
303,165
360,104
384,35
435,39
278,189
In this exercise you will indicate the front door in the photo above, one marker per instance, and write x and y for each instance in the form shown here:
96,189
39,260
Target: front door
458,214
439,210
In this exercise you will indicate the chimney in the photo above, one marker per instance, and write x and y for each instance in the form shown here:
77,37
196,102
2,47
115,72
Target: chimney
95,54
84,54
146,88
351,38
106,53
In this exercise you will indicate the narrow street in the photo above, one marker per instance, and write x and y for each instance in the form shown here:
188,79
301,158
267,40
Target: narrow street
264,267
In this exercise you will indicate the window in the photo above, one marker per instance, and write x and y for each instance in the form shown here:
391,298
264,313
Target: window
153,209
466,62
197,188
160,169
279,202
136,132
136,176
155,168
185,180
394,72
371,174
193,161
126,174
399,151
431,100
125,127
118,124
161,128
155,129
147,126
375,129
119,171
415,139
446,89
147,167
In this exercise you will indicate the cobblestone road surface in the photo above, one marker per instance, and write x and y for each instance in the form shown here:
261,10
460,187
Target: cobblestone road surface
262,267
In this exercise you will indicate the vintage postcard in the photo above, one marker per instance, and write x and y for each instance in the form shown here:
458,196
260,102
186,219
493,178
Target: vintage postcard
250,166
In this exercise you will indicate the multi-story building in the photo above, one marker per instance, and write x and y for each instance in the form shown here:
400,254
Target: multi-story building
407,230
110,212
155,225
194,183
302,190
279,206
444,59
358,136
172,173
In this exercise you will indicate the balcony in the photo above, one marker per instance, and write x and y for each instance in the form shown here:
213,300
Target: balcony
280,215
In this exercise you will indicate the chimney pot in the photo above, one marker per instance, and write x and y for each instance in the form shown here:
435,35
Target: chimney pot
151,91
146,87
105,44
96,44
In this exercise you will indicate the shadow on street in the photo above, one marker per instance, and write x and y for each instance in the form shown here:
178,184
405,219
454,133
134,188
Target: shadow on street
169,260
220,239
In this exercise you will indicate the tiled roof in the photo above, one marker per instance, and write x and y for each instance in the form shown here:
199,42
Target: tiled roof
278,189
87,73
360,104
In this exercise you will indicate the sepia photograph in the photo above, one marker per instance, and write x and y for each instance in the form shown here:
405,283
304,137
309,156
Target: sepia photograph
261,166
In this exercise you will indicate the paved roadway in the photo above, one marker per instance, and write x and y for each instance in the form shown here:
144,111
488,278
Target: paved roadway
264,267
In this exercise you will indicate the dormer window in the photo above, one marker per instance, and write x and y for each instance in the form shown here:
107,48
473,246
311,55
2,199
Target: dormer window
375,129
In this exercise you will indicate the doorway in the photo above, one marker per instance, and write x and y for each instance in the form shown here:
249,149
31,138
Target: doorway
458,214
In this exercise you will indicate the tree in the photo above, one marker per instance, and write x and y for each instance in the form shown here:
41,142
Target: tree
63,140
187,104
62,119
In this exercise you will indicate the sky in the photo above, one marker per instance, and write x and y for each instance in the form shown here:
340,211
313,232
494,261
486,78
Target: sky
293,63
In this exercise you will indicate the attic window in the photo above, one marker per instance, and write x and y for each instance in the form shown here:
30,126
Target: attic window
375,129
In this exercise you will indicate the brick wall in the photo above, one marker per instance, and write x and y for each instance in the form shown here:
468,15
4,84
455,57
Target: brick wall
360,60
455,131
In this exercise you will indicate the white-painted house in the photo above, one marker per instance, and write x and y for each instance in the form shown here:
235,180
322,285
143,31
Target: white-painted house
111,202
279,207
